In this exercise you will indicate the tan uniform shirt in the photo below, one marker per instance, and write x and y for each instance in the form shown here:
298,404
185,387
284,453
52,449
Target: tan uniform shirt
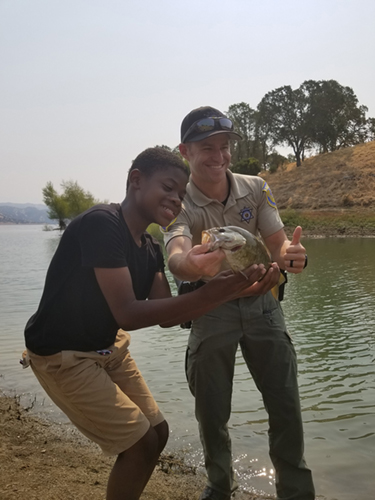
250,205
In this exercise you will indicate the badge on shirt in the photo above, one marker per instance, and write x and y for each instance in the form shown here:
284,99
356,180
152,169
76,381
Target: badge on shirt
270,199
246,214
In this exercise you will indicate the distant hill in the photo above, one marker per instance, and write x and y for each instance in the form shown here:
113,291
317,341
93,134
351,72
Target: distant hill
344,179
24,213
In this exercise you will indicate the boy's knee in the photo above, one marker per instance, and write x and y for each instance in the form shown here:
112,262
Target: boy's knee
162,431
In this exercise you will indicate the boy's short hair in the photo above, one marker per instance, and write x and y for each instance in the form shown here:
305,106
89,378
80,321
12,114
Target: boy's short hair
153,159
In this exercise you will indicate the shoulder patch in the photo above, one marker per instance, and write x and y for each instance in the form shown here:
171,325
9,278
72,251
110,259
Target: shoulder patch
270,199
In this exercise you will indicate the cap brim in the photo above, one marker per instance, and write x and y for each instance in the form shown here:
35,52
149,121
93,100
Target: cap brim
200,137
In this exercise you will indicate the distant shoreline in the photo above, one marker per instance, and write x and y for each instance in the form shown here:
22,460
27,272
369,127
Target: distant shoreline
323,232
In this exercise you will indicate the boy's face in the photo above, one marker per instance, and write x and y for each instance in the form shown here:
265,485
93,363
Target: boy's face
161,195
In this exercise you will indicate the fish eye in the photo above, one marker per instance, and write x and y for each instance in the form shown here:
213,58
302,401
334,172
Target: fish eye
221,230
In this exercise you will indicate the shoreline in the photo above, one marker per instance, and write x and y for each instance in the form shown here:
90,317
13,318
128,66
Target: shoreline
321,232
41,460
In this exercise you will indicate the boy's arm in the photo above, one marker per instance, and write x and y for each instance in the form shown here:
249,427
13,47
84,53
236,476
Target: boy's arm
131,314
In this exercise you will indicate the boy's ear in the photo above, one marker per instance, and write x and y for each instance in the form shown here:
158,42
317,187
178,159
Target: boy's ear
135,178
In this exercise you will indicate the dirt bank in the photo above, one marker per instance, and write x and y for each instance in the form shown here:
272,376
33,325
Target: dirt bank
43,461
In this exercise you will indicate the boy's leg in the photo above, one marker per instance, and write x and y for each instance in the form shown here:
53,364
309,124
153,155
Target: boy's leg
133,467
80,385
131,463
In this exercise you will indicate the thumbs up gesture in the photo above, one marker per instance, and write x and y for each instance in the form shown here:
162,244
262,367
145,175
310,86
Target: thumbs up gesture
295,255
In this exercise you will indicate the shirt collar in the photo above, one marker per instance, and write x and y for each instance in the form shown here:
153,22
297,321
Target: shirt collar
237,190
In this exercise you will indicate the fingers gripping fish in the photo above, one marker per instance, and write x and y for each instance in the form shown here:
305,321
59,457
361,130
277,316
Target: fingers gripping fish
242,249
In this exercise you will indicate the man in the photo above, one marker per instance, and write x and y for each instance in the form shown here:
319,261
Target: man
216,197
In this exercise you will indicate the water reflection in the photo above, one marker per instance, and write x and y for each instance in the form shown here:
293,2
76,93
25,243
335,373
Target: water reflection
331,317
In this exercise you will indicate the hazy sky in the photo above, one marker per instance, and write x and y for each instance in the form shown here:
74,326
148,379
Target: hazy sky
86,85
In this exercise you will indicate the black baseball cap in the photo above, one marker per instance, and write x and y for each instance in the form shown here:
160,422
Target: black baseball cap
216,123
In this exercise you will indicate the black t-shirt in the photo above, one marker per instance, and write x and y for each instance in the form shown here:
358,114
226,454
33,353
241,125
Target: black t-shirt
73,313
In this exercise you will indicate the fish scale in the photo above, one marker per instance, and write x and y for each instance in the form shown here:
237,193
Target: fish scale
242,248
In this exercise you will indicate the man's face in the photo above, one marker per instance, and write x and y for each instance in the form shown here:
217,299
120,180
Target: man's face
209,159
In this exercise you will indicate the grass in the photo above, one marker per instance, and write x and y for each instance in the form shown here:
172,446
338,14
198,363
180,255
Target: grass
337,222
330,194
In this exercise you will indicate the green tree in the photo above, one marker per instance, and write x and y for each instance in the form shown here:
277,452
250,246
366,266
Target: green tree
249,166
76,198
371,129
57,206
66,206
284,114
244,119
335,119
275,160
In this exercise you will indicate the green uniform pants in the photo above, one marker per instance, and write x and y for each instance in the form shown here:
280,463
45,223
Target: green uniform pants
257,325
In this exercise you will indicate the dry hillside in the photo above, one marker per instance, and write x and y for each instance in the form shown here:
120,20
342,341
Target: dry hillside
331,181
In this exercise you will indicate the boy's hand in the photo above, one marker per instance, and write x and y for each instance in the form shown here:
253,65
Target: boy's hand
229,285
269,280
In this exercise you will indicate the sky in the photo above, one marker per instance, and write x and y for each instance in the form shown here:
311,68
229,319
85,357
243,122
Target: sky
86,85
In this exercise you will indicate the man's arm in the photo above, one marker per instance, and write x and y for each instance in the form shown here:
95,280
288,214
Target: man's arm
290,255
191,263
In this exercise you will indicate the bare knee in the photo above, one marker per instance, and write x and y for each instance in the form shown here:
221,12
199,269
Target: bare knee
162,431
146,449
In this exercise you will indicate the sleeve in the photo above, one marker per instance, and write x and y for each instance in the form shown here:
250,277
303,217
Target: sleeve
100,241
179,227
269,220
158,253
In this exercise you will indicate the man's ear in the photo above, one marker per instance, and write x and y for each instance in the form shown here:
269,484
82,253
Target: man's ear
135,177
183,150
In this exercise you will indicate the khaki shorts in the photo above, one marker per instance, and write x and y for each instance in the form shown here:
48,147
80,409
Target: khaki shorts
105,396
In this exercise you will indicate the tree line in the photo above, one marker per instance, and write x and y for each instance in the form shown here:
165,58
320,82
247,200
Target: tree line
319,116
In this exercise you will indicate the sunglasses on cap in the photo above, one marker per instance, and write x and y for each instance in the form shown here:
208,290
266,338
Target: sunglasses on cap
208,124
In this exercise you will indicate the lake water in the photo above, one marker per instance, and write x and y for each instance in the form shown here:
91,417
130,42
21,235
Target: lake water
330,311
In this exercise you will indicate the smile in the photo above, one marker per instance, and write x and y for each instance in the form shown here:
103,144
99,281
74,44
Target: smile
216,167
169,211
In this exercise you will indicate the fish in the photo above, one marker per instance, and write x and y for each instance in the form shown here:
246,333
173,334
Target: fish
242,249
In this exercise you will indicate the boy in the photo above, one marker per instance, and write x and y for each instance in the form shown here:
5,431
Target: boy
104,269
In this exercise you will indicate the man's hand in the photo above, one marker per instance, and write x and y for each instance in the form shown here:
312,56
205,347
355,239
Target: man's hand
294,257
204,262
189,263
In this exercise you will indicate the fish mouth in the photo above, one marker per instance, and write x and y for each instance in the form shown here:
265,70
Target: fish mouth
206,237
